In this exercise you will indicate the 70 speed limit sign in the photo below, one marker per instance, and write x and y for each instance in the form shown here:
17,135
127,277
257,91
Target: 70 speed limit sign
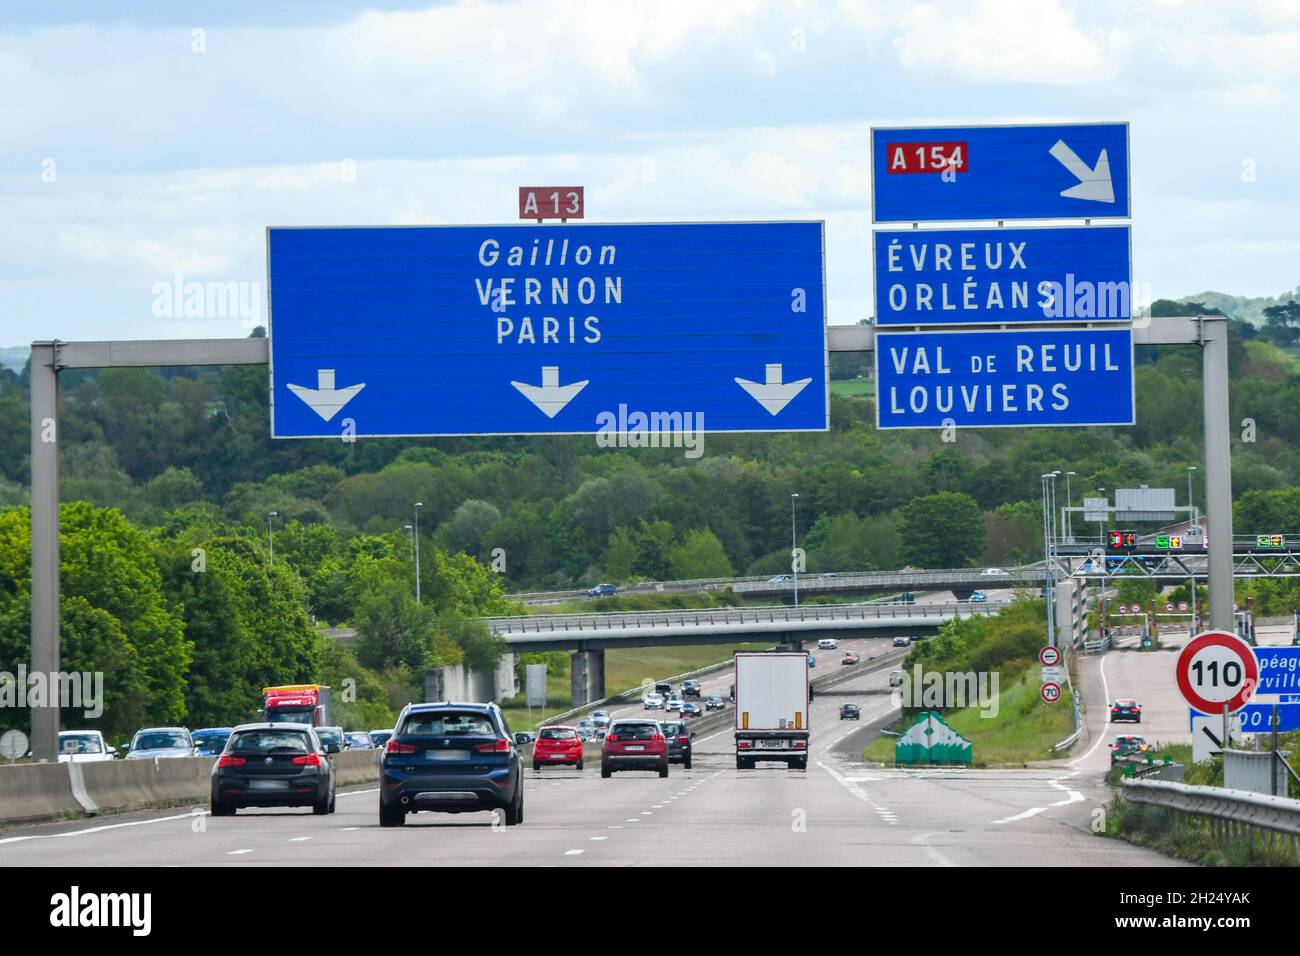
1217,669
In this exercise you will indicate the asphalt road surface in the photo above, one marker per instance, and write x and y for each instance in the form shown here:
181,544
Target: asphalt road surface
837,812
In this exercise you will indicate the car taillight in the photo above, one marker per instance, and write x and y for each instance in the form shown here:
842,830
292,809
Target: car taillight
743,745
231,762
308,760
611,736
498,746
683,740
801,745
394,747
657,738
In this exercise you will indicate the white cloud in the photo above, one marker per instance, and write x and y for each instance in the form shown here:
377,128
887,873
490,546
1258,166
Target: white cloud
1002,41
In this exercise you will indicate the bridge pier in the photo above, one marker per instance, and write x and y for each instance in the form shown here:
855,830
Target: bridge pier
587,676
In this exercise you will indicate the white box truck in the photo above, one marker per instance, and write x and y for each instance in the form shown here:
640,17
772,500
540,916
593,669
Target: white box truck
772,709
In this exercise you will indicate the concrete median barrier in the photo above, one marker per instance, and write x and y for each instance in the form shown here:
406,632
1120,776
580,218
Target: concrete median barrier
116,785
31,793
36,791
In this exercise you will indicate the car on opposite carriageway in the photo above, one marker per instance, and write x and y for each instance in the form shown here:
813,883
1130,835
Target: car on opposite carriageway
160,742
210,741
450,758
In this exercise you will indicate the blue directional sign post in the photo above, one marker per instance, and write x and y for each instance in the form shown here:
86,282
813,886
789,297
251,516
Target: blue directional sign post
976,276
572,329
951,174
1024,279
996,379
1279,683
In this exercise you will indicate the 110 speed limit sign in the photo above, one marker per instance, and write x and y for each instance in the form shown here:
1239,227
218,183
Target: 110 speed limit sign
1217,669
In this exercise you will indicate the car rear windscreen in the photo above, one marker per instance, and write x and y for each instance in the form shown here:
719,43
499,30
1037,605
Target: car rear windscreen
448,723
558,734
635,731
161,741
269,741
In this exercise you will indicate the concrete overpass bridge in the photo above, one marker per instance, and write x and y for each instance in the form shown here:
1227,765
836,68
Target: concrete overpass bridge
959,580
588,635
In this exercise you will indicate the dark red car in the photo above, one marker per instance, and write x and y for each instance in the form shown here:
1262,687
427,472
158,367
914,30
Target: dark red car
634,745
558,745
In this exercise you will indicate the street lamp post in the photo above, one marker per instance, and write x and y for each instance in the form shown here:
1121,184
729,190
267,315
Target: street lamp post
410,540
1101,523
794,556
1049,518
1069,503
416,534
270,536
1192,523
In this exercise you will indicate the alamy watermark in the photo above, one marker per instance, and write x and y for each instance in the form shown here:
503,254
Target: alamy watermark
657,429
178,298
67,690
948,690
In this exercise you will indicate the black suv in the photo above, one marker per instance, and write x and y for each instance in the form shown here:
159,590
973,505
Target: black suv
452,758
273,765
678,737
690,688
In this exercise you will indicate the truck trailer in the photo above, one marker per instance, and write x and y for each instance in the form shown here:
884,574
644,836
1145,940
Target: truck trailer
772,709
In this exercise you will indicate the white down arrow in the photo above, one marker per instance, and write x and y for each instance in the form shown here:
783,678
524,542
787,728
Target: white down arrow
773,394
326,400
550,396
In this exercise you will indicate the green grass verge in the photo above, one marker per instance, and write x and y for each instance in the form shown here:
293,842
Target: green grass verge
854,388
1025,728
624,668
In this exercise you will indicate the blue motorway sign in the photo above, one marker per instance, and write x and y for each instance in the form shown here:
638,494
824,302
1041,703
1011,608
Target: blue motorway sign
1279,670
557,329
1258,718
951,174
985,378
972,276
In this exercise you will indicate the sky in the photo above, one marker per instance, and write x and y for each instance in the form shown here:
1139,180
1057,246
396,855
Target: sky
147,145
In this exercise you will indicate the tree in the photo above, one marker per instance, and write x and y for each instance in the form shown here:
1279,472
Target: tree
620,555
700,555
468,526
1282,323
942,531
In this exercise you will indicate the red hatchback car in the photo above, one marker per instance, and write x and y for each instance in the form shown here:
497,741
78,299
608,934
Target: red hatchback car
634,745
558,745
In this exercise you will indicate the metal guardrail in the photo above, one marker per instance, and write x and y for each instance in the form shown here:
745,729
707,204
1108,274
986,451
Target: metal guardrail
773,617
1233,807
1098,646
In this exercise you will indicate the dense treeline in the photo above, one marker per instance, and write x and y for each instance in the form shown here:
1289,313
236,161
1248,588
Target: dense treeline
191,448
169,478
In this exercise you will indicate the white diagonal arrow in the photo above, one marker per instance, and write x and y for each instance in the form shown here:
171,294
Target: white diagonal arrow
773,394
550,396
326,400
1094,183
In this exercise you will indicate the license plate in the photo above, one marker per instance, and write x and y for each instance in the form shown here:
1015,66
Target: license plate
634,747
776,744
557,756
268,785
444,755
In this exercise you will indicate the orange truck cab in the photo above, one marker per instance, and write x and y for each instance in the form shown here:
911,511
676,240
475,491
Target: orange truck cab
297,704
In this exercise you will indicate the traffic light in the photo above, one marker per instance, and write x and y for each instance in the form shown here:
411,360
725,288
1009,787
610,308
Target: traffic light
1121,540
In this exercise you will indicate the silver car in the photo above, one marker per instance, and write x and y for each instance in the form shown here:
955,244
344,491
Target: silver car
155,743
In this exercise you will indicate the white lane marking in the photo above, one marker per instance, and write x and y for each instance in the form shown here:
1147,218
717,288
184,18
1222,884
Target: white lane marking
600,837
238,852
632,820
574,852
885,813
616,827
1101,737
101,828
932,852
657,806
347,829
1072,796
646,813
299,839
357,793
